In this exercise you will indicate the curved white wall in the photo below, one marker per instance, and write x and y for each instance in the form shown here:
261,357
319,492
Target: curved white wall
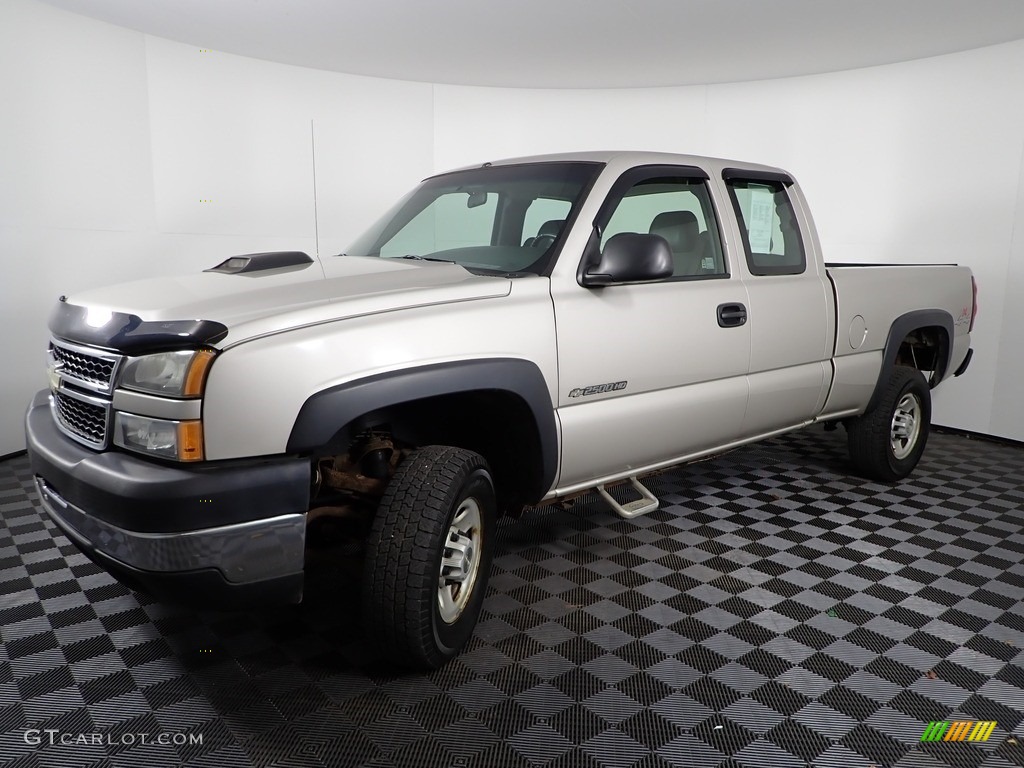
123,155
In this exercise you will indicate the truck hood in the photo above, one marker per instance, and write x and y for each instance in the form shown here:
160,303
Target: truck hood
257,303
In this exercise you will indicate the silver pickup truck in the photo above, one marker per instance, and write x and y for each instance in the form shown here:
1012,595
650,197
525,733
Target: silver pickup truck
508,334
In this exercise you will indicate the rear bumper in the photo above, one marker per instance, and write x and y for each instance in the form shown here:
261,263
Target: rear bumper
216,534
967,361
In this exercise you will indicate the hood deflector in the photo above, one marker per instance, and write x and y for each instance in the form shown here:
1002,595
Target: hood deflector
130,334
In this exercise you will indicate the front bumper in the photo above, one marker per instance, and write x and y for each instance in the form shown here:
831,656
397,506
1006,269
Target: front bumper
224,533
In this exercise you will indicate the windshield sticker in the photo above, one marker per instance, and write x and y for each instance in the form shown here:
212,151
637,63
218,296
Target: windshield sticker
598,389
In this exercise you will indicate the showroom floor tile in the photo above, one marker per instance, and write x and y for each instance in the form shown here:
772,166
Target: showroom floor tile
775,612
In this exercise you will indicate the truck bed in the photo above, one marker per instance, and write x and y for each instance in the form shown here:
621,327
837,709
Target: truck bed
868,304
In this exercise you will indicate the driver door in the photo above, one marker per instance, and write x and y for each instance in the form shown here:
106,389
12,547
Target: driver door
651,372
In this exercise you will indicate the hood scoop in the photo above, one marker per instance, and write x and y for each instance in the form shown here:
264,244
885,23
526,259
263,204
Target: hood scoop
261,262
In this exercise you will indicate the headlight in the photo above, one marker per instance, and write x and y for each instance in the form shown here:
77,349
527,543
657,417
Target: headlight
177,374
179,440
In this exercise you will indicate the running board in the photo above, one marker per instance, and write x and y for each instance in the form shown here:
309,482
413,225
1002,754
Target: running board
632,509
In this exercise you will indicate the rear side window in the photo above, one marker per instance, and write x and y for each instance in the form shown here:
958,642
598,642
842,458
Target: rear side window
771,234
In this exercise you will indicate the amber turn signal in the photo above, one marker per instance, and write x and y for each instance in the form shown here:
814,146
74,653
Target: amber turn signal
197,370
190,441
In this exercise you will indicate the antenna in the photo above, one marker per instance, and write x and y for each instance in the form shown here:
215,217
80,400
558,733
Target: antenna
316,223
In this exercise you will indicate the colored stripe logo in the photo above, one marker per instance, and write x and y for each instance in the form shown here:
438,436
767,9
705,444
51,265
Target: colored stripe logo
960,730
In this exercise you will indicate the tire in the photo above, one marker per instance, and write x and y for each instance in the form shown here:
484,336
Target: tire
887,441
415,619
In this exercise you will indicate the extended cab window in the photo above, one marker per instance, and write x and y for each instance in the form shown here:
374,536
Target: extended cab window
678,209
771,234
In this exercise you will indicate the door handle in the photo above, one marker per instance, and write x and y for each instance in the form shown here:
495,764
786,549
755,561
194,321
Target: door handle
732,315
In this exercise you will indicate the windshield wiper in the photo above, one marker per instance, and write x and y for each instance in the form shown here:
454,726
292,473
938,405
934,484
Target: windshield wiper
497,272
425,258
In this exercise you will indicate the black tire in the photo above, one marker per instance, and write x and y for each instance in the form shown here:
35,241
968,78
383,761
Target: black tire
402,596
882,449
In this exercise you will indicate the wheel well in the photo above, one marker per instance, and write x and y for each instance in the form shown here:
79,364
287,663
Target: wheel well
927,350
499,425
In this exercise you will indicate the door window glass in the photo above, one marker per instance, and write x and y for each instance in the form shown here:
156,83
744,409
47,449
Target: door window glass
771,234
680,211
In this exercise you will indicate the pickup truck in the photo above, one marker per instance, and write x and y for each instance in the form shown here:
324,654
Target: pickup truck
506,335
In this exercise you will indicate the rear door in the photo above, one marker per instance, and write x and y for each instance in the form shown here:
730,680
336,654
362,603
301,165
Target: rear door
653,371
790,302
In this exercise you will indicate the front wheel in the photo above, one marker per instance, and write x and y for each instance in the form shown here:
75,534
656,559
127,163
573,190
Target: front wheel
887,441
428,556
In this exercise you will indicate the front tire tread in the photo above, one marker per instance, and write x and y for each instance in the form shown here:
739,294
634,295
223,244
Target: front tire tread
401,568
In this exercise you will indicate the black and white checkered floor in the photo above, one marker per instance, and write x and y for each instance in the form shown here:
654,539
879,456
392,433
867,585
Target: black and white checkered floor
775,612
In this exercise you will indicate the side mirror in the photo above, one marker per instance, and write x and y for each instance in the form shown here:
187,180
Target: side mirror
631,257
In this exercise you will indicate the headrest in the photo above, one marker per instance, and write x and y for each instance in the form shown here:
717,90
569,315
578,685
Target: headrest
680,228
552,227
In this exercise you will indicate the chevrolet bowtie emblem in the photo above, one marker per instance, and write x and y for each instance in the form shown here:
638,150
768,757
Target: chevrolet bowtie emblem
53,370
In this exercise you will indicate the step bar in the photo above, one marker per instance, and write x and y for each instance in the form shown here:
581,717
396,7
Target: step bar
646,504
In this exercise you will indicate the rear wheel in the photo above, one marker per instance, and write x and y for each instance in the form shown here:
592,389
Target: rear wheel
429,555
887,441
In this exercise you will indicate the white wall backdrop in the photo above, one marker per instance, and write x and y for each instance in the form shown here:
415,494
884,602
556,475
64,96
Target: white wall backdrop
123,155
232,150
76,186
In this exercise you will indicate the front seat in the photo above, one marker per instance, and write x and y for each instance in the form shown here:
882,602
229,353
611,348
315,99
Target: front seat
546,235
682,231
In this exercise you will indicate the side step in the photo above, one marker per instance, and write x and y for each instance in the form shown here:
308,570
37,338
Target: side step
632,509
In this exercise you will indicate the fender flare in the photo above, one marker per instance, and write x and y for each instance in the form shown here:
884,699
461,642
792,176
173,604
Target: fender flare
327,411
901,327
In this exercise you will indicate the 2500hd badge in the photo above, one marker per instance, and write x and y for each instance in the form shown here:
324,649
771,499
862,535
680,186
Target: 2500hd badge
597,389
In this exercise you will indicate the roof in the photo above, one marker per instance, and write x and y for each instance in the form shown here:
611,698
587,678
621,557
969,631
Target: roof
627,158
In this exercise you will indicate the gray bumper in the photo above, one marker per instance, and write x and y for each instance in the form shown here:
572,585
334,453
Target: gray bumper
218,533
243,553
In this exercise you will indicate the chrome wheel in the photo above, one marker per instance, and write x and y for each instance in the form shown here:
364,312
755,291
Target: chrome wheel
460,561
906,426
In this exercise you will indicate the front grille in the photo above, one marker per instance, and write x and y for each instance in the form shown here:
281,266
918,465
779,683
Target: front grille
92,368
83,420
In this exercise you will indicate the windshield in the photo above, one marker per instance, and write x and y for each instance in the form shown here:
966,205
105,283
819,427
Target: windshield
506,219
